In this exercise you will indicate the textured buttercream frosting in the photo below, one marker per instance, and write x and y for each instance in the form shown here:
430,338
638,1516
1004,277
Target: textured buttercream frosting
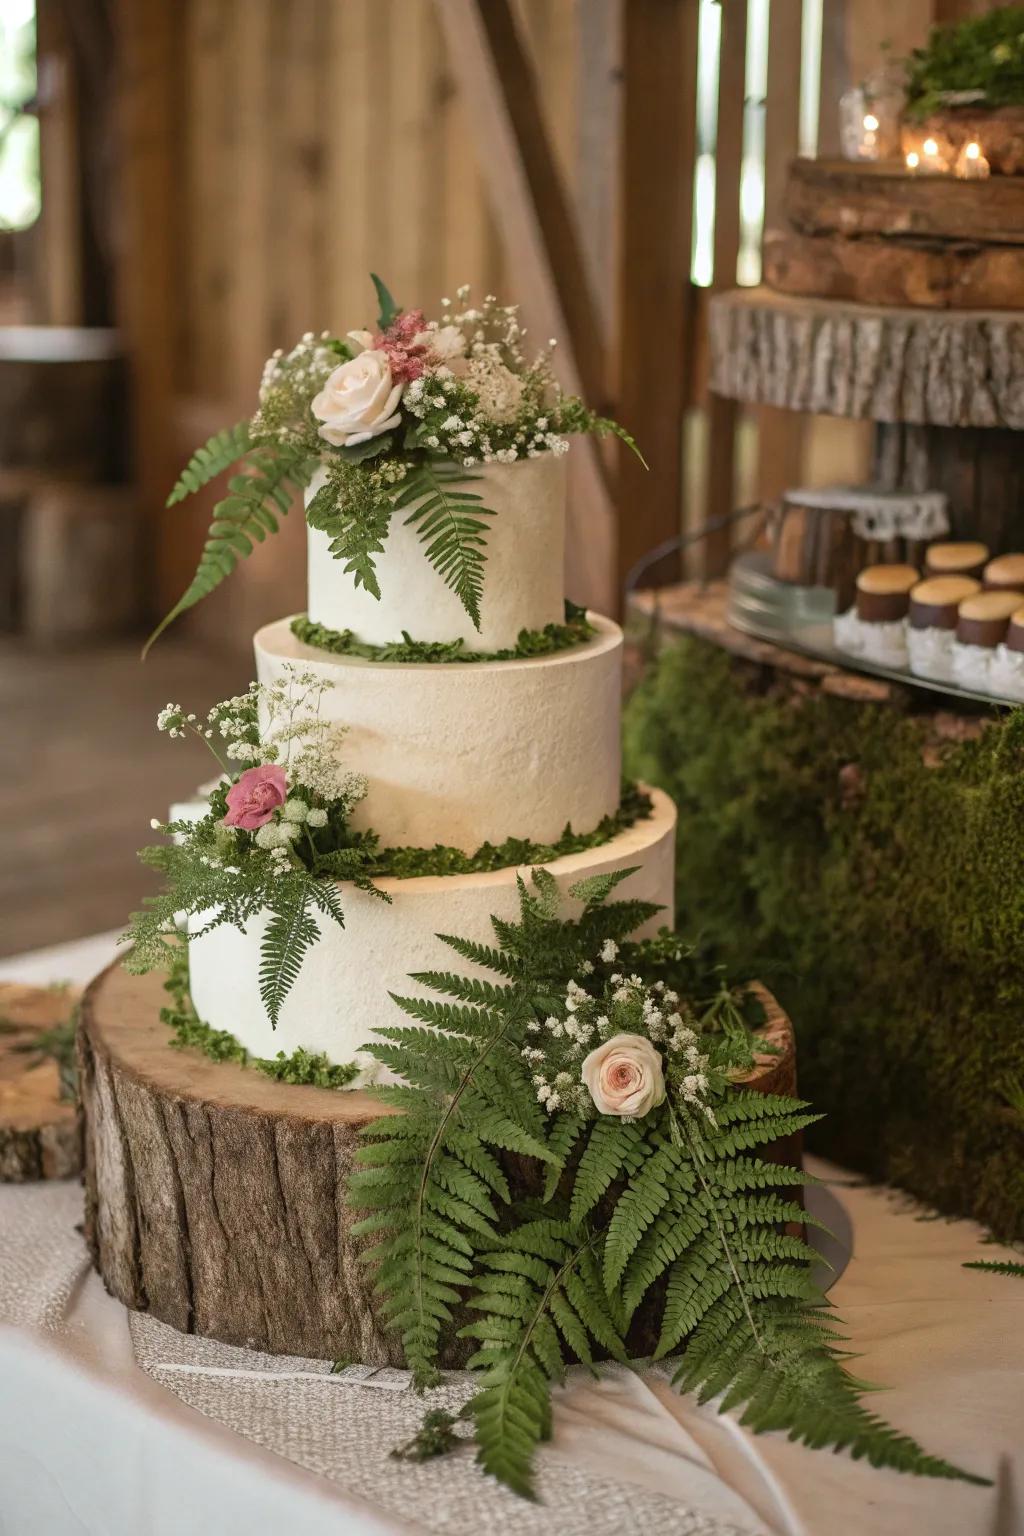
473,752
523,577
342,992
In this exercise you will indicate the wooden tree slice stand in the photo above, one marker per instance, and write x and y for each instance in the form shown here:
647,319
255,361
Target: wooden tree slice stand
215,1196
945,389
39,1135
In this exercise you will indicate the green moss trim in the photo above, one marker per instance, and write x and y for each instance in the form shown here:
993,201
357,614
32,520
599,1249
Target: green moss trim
190,1033
873,874
576,630
408,863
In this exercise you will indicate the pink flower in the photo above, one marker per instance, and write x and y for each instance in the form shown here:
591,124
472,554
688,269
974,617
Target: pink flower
256,796
407,355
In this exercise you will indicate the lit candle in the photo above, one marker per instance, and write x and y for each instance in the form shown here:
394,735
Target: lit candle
868,148
931,160
913,161
971,163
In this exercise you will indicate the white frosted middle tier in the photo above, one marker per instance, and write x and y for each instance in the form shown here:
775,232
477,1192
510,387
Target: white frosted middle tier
465,753
524,574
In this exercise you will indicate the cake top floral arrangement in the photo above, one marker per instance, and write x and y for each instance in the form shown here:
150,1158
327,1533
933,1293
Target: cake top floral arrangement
399,417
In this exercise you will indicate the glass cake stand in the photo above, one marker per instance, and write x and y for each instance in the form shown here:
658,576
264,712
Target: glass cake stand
800,619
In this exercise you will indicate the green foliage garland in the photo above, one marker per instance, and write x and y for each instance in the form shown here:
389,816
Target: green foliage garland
673,1209
981,57
576,630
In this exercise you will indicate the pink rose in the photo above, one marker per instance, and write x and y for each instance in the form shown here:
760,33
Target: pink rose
256,796
624,1076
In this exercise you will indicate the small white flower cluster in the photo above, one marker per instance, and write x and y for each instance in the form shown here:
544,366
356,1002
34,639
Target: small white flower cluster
489,406
289,382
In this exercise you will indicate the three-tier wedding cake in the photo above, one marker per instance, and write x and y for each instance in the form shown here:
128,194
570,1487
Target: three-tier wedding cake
432,458
454,753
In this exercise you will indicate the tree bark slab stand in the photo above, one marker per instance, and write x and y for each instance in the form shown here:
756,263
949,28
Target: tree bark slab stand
39,1133
215,1197
945,387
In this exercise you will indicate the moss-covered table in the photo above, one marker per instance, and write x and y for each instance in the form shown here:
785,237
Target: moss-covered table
861,842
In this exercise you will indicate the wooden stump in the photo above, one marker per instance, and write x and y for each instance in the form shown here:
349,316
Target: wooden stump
215,1197
39,1135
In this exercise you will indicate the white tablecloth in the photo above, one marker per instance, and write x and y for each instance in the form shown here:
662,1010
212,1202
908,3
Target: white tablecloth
206,1440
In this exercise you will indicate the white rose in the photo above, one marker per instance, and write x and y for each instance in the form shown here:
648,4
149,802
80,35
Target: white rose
624,1076
358,401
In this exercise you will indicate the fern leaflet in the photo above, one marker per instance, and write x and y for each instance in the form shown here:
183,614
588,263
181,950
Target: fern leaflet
216,455
450,522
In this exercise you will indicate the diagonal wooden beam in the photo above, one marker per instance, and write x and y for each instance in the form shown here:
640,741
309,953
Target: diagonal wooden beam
496,81
659,49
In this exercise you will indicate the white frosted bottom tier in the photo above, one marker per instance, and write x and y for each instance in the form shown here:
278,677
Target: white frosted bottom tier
341,995
524,574
464,753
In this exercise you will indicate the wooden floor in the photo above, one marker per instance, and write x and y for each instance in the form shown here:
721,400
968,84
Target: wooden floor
82,771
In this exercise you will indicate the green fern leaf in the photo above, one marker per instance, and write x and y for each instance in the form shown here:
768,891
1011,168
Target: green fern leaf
246,515
216,455
450,522
290,932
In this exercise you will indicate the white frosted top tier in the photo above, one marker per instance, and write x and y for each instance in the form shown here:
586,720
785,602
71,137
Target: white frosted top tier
524,574
464,753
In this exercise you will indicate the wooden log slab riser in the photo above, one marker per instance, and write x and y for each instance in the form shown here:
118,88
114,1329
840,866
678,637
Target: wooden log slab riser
947,369
842,197
875,271
216,1197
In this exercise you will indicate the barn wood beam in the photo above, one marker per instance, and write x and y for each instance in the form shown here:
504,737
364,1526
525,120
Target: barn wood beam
496,81
655,346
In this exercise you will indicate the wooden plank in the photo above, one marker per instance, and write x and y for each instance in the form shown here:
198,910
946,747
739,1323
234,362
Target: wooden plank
843,197
206,36
297,213
60,224
148,271
780,434
531,210
599,126
352,166
659,51
723,414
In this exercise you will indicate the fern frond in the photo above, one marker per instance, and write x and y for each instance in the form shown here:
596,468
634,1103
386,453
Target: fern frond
997,1267
216,455
290,932
450,522
784,1377
522,1331
247,514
